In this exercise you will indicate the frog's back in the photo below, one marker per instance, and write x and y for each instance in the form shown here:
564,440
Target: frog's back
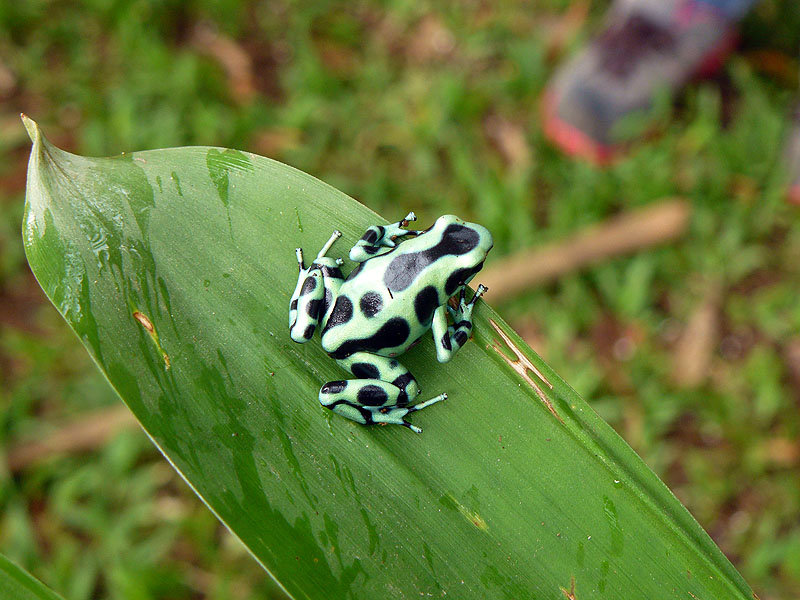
369,316
388,301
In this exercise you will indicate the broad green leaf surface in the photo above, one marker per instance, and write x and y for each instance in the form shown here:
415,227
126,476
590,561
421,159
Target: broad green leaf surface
18,584
175,268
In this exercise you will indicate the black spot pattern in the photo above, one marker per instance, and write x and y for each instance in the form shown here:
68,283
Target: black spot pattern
312,308
370,236
372,395
457,239
342,312
365,371
334,272
355,271
405,268
309,332
371,304
425,303
460,337
293,305
402,382
333,387
446,342
458,277
392,333
308,286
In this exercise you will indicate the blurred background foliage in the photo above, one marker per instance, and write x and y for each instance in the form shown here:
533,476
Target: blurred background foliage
690,350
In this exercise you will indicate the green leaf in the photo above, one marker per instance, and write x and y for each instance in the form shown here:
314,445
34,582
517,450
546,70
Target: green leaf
175,268
18,584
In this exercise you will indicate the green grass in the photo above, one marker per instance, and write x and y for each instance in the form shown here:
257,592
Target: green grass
352,96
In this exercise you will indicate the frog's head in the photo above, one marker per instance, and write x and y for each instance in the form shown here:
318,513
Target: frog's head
465,244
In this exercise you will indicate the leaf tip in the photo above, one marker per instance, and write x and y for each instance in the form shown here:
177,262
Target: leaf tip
31,126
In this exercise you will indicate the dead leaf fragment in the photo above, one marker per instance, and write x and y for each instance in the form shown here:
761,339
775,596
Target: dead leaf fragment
628,232
508,138
232,58
695,348
430,41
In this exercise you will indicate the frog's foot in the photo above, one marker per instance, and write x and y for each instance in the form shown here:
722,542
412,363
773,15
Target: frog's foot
405,222
380,239
427,403
315,283
482,289
334,236
374,415
465,306
463,312
398,230
408,218
396,415
449,339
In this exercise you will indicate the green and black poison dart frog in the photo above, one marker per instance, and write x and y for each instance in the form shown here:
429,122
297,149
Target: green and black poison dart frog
399,290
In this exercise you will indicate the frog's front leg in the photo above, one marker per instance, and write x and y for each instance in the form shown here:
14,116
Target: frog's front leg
381,394
380,239
449,339
316,286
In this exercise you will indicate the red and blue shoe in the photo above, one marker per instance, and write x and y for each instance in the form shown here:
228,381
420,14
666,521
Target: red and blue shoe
644,48
792,158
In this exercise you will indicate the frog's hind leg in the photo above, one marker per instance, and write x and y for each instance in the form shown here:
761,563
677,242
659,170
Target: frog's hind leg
381,394
316,286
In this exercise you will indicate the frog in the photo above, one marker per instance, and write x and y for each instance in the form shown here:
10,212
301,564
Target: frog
400,289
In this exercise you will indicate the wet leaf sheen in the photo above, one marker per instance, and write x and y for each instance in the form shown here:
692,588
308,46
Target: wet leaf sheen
175,268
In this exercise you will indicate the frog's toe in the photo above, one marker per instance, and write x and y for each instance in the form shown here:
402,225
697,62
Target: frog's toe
427,403
413,428
482,289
